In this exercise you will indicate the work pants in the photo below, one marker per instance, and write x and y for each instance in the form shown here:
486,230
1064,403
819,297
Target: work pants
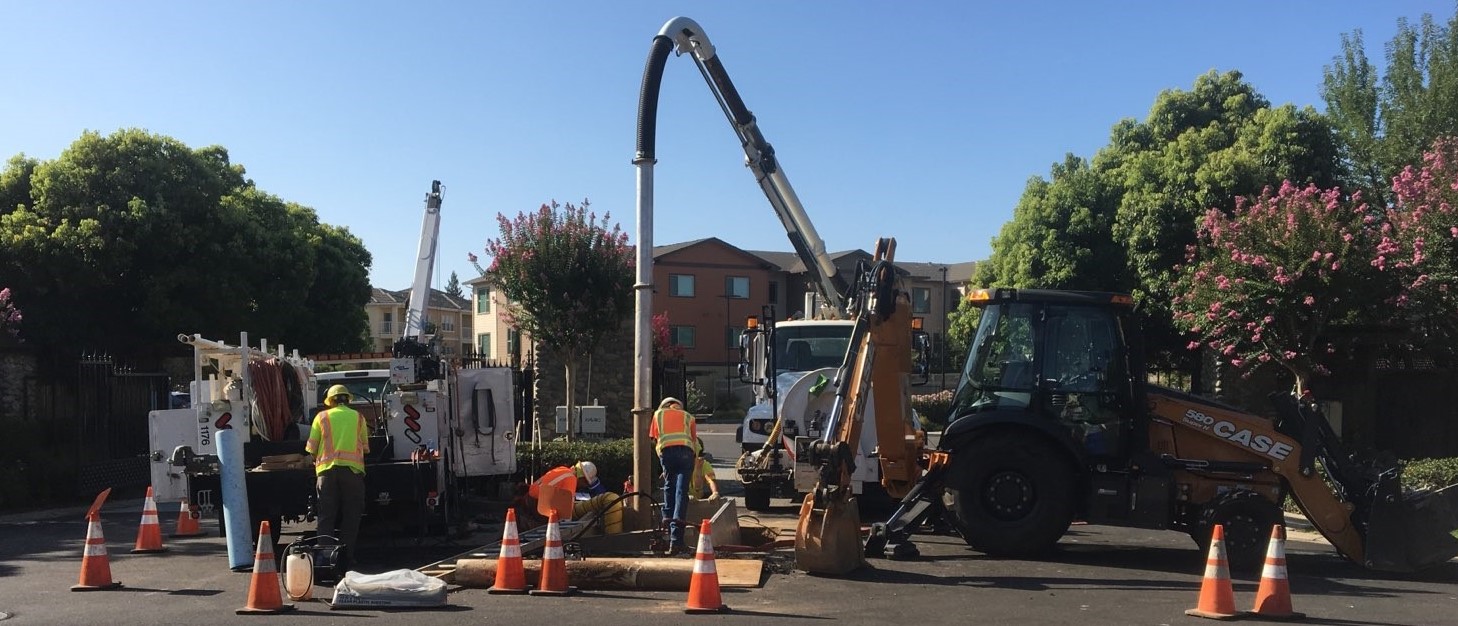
341,506
678,467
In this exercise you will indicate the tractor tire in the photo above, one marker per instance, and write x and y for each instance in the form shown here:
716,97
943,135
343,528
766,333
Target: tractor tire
1247,519
1012,494
756,498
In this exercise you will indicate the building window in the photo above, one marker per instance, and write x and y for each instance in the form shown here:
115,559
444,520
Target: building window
731,336
483,300
447,350
774,292
513,342
736,286
483,345
448,323
920,300
681,336
387,327
681,285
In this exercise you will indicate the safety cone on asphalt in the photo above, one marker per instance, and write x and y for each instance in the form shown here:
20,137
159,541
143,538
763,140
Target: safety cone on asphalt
703,594
265,593
554,563
149,534
1217,597
1273,598
95,564
510,574
187,525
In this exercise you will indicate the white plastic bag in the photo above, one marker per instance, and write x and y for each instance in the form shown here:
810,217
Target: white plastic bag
398,588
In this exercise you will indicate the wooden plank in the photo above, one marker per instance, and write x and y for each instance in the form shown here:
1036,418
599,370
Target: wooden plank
621,574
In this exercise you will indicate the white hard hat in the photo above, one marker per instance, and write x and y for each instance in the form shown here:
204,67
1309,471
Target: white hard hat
589,470
669,400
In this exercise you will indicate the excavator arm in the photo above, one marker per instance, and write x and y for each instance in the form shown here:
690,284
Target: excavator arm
827,537
1360,508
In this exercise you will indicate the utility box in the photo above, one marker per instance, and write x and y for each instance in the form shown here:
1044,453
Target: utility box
592,420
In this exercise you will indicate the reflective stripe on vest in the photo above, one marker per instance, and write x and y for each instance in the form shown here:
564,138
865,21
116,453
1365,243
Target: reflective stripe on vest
677,437
344,447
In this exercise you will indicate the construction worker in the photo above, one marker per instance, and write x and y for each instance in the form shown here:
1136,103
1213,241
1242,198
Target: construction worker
703,486
674,433
587,480
339,441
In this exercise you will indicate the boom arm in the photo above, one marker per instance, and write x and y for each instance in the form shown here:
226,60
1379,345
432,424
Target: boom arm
414,325
686,35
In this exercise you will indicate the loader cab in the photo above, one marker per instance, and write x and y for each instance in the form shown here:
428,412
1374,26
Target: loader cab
1057,360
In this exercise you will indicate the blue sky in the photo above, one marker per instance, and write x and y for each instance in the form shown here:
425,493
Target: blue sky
918,120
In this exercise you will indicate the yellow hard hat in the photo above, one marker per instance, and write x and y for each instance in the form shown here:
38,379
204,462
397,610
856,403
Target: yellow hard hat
334,392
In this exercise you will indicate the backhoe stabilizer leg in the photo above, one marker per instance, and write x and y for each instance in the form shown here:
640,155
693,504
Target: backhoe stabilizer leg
828,537
910,514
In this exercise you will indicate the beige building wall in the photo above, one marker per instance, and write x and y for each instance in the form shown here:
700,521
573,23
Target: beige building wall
453,320
492,337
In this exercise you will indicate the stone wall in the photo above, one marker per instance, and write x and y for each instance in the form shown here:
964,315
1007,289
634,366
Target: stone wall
15,367
607,382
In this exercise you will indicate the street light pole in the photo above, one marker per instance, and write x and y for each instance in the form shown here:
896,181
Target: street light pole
943,347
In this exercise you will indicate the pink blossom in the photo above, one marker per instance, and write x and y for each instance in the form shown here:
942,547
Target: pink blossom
1308,301
1193,345
1237,362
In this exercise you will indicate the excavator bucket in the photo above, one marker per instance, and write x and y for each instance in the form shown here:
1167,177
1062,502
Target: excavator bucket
828,539
1409,532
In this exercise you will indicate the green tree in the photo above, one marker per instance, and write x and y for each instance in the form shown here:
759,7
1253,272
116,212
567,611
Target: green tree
568,278
126,240
1418,249
1389,123
1266,282
453,286
1059,236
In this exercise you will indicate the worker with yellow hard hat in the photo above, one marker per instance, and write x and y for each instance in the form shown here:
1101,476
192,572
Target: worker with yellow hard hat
674,432
339,441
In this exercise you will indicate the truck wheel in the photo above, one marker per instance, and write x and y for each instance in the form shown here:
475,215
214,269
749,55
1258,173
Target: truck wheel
756,498
1247,518
1012,495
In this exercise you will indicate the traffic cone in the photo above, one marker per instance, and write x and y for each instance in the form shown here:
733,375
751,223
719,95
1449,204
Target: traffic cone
510,574
704,584
554,563
264,589
95,564
1273,598
187,525
149,534
1217,597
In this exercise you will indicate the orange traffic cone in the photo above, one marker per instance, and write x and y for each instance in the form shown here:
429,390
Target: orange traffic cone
187,525
704,584
149,534
510,574
554,563
95,564
264,590
1273,598
1217,597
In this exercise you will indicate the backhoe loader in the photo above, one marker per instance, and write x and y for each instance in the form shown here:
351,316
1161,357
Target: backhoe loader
1053,421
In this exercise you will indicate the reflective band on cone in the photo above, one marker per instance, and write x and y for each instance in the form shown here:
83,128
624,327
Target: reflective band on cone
1273,598
510,573
95,564
149,534
554,564
1217,597
703,594
265,590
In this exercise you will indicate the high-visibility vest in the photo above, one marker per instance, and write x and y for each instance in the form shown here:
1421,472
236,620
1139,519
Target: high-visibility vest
673,426
338,438
699,484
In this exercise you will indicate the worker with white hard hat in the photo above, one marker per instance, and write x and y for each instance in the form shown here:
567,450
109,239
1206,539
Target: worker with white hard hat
674,433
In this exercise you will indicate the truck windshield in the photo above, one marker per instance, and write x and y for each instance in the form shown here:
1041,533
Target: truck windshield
999,369
360,389
810,347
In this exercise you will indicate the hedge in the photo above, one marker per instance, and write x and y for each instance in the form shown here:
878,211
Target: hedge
1430,473
613,458
933,408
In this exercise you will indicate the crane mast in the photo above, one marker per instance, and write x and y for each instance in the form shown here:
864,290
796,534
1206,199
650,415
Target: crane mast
416,356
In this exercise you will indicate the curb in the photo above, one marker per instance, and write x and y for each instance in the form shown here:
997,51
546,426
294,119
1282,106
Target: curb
1299,522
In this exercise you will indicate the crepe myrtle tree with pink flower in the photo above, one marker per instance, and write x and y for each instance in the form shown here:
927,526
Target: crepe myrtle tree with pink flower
9,315
567,278
1418,244
1264,283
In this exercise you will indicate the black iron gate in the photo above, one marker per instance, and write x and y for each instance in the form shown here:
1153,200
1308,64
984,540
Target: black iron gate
112,403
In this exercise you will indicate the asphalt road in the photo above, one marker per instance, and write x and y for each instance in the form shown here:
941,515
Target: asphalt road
1098,576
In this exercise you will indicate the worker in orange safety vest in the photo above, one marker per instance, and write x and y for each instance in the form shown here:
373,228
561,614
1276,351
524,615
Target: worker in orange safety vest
339,441
674,433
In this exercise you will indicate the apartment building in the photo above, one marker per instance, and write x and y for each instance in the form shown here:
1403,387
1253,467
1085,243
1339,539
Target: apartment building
493,337
451,317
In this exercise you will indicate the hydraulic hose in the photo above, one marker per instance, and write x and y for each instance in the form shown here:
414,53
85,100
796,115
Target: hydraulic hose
648,97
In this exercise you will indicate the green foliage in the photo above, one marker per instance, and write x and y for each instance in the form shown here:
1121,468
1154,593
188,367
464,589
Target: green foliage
697,401
961,327
1387,124
613,457
1430,473
126,240
933,408
1419,246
